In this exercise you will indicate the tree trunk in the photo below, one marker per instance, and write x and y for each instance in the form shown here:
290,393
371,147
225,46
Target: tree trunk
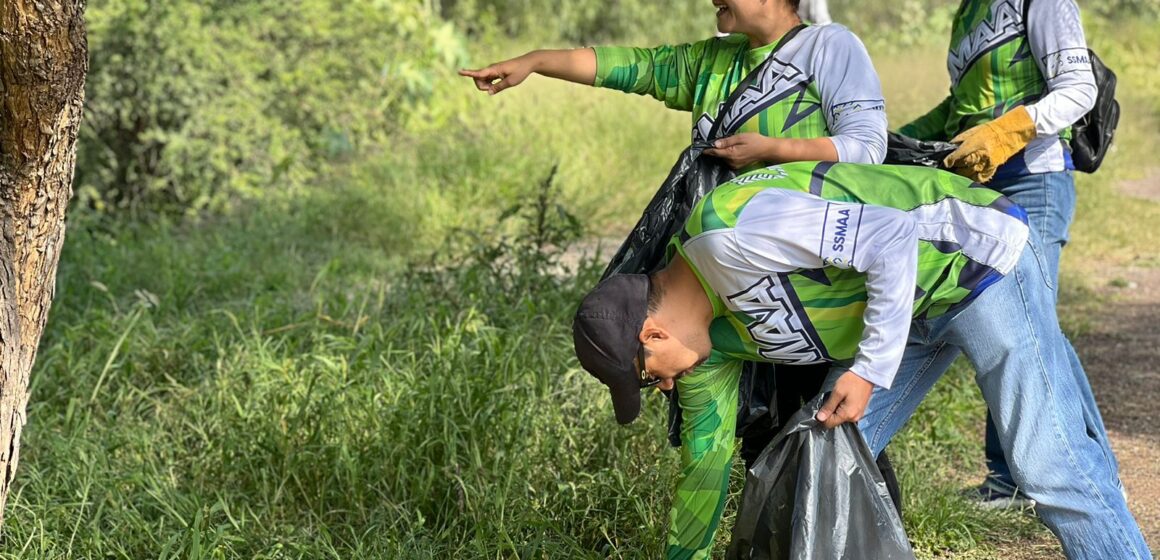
43,60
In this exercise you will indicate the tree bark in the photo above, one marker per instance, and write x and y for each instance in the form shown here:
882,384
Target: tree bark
43,61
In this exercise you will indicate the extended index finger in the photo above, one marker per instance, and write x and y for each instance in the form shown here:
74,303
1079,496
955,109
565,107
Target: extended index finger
473,73
482,78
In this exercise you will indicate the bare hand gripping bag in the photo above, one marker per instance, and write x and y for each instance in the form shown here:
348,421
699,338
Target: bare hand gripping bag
816,494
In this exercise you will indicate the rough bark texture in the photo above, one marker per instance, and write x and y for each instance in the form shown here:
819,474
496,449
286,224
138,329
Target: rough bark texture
43,60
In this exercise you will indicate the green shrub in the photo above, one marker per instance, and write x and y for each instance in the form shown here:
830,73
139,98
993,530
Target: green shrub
583,22
1124,9
191,105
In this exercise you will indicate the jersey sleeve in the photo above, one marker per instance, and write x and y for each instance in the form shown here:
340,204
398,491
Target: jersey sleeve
932,125
1057,42
708,401
851,96
667,73
783,229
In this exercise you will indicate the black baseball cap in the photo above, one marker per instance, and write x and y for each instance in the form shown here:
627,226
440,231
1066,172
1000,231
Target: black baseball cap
606,333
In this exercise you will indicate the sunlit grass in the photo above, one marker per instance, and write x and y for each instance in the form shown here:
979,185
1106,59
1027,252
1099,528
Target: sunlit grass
280,383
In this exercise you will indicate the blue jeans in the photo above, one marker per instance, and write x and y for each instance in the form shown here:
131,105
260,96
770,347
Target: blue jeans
1011,336
1049,199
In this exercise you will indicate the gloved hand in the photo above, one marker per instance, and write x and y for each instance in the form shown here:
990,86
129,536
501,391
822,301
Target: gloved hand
984,148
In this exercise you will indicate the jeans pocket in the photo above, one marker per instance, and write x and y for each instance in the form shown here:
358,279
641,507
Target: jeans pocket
1061,201
1041,262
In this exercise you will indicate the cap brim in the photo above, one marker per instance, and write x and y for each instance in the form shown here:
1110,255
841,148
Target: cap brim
626,400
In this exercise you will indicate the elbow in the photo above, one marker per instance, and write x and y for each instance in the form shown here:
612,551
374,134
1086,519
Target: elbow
908,232
1085,95
865,147
876,148
900,246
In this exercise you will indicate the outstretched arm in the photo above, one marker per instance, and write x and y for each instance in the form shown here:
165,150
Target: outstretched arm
573,65
666,73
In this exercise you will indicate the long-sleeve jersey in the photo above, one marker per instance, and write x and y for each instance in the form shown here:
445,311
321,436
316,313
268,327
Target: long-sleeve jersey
821,83
822,262
997,61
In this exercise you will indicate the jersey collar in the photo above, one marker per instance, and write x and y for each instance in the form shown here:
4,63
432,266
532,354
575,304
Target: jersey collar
675,246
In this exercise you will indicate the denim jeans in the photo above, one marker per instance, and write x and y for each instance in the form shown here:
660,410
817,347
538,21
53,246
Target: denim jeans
1049,199
1011,336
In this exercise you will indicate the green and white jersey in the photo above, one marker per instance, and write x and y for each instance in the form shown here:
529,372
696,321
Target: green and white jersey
820,83
997,61
819,262
809,262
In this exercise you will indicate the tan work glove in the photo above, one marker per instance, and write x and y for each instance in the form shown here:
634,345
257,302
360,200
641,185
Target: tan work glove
984,148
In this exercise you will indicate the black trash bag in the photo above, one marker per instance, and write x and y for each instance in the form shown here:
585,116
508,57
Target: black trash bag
904,150
761,397
691,178
815,494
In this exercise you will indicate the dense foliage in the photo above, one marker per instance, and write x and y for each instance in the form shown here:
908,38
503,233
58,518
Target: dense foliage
193,104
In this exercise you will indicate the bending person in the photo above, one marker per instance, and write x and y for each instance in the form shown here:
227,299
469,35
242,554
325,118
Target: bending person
1020,77
879,269
821,101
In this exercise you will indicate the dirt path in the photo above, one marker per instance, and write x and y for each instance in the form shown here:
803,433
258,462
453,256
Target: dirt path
1121,355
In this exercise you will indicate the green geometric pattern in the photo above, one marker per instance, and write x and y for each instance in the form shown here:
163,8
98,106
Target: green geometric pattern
835,307
709,411
999,80
699,77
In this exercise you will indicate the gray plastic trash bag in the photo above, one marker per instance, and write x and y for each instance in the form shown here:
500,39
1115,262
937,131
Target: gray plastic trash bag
815,494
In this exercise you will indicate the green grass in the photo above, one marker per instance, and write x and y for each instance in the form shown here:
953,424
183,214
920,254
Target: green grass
301,380
217,393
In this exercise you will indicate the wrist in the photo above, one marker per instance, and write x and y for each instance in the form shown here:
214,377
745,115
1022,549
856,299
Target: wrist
534,61
1018,122
865,374
771,150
